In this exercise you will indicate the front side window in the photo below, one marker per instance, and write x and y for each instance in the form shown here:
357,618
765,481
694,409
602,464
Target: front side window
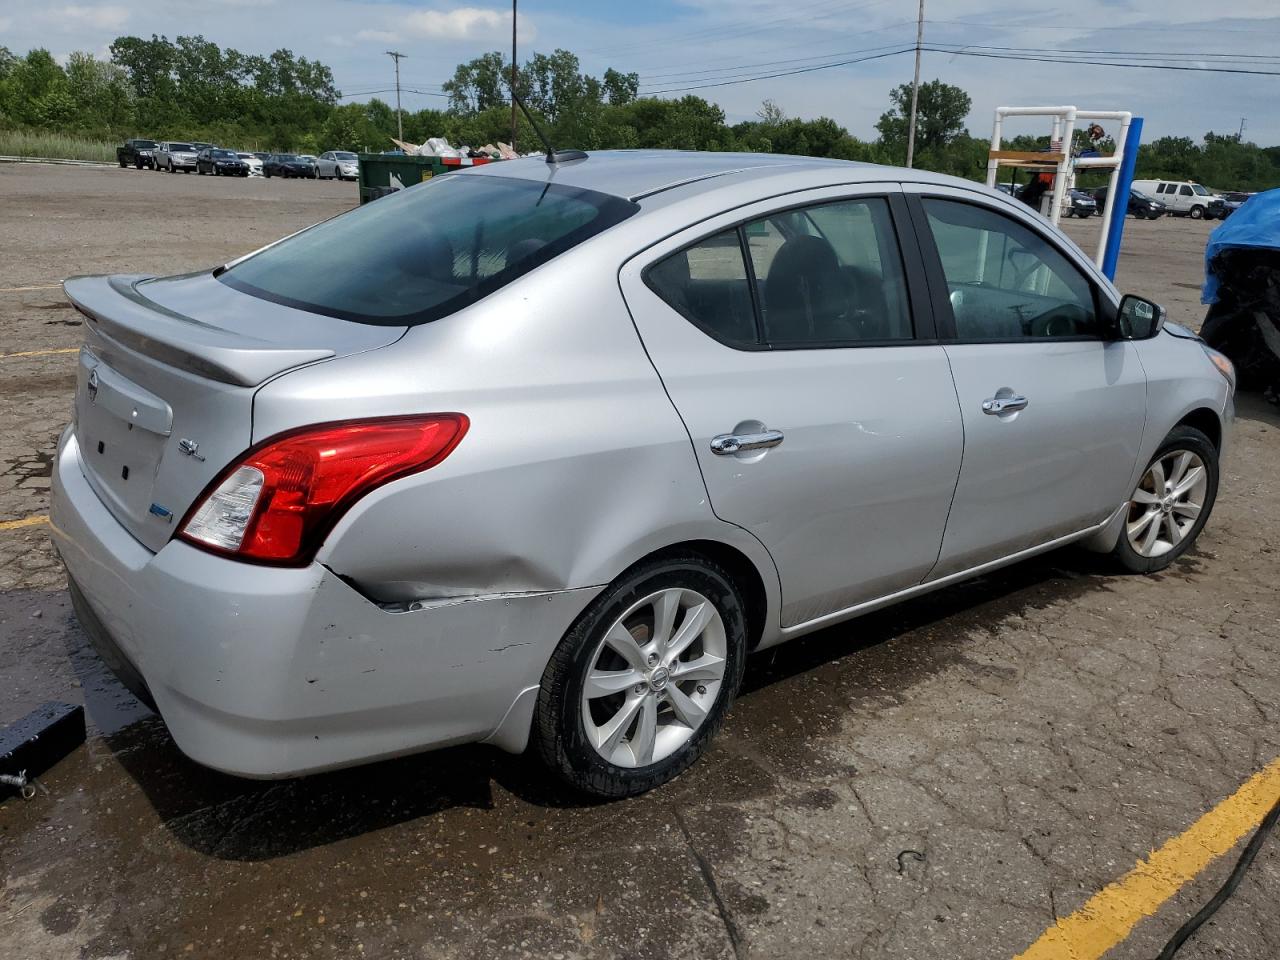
427,251
1006,281
1184,191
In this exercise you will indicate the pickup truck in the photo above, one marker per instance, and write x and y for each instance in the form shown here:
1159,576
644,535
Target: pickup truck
140,153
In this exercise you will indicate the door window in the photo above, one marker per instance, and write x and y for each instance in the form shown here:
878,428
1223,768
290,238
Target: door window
1006,282
829,275
1185,191
707,284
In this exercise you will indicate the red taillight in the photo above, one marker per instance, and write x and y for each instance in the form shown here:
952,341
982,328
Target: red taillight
277,503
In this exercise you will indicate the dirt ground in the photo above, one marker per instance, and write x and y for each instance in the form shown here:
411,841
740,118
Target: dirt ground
940,780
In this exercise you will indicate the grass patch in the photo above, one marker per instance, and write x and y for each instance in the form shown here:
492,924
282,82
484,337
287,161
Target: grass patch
21,143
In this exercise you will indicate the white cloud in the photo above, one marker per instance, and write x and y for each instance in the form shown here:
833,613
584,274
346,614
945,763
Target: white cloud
86,17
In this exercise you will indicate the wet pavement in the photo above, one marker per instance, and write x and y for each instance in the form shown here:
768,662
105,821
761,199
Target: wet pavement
941,779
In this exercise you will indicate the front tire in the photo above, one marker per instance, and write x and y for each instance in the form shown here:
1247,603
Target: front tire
643,680
1197,213
1171,503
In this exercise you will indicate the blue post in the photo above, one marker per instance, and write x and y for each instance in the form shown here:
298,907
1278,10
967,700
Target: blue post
1118,205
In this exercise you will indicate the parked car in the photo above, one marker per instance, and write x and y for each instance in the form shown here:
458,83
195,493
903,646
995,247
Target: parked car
200,145
253,162
1140,205
287,165
1233,201
309,159
138,152
221,163
1078,203
1184,198
354,496
174,156
339,164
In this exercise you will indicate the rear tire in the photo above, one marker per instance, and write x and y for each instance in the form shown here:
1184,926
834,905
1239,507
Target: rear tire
666,689
1171,503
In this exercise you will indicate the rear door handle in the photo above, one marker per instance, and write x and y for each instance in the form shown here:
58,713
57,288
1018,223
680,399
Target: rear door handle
729,443
998,405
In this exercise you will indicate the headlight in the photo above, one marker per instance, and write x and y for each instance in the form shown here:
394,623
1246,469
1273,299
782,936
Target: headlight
1224,365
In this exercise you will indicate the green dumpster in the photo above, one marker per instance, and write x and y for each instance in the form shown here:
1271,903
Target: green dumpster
384,173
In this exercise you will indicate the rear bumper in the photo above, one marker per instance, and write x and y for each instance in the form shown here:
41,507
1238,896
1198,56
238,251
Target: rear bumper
270,672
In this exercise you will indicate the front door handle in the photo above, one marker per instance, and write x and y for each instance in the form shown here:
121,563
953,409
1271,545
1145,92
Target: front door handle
729,443
998,405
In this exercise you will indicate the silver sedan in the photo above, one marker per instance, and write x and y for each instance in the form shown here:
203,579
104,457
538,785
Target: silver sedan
537,453
338,165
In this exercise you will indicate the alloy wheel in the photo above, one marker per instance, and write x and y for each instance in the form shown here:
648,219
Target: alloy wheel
1167,503
654,678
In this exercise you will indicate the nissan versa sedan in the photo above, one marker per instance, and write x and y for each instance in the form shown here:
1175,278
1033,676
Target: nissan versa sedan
537,453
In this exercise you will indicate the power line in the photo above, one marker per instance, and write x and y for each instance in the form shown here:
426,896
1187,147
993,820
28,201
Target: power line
708,73
784,73
1103,63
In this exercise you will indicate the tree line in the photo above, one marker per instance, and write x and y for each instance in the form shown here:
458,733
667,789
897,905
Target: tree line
191,88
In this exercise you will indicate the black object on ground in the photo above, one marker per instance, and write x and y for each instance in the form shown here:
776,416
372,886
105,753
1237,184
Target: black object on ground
38,741
1228,888
1245,322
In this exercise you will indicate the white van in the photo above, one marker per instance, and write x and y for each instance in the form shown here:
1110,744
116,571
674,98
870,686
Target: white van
1184,198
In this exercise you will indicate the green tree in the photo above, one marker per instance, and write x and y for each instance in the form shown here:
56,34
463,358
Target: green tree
940,114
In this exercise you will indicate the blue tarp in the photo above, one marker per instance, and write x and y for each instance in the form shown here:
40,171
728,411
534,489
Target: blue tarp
1255,224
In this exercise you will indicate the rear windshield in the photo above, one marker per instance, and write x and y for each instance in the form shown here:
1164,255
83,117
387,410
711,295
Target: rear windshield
428,251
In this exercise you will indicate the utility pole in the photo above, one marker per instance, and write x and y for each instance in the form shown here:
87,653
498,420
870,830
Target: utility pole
1240,135
915,89
513,74
400,116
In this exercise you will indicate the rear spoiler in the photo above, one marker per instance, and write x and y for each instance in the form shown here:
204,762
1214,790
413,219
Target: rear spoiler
118,311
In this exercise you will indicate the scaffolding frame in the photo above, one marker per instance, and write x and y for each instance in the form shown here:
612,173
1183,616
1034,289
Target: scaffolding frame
1058,159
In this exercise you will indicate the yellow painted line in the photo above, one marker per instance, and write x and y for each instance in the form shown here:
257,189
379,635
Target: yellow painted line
43,286
1111,914
39,353
24,522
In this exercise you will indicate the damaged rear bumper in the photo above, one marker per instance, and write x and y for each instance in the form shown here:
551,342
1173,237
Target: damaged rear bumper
271,672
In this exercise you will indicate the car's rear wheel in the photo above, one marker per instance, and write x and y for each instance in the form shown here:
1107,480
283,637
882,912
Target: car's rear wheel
643,680
1171,503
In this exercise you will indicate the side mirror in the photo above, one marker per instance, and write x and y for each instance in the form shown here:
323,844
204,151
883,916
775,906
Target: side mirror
1138,318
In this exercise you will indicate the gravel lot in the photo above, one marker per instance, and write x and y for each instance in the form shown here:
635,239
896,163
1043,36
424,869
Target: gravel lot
939,780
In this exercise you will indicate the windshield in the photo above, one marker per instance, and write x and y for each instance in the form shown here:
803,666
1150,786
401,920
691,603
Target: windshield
342,155
427,251
179,148
1140,195
1199,190
286,157
145,144
223,154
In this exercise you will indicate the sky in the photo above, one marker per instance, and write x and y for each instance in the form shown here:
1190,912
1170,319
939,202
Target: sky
674,44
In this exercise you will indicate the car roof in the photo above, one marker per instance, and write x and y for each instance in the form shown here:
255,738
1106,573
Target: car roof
635,174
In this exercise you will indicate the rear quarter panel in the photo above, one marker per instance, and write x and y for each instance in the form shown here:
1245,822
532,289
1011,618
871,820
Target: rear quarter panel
575,464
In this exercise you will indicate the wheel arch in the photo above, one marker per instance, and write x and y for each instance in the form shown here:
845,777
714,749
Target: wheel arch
1207,421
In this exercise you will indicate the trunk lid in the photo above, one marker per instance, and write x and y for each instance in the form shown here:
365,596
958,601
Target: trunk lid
166,379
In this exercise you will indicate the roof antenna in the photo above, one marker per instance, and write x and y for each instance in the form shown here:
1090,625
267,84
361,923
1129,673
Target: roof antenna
554,156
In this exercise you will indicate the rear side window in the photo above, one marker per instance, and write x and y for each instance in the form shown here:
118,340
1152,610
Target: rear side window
707,284
825,276
428,251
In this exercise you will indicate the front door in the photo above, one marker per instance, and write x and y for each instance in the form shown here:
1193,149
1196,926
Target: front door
1053,412
787,340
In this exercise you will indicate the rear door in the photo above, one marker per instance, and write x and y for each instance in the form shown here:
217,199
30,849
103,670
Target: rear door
795,339
1053,411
